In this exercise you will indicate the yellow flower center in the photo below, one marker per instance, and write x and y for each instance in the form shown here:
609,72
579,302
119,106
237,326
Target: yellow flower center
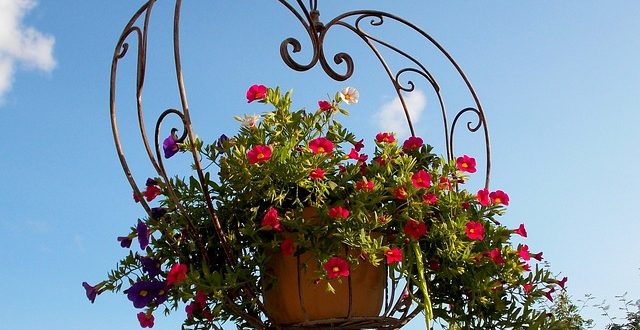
497,201
143,293
335,269
472,230
260,156
465,165
320,149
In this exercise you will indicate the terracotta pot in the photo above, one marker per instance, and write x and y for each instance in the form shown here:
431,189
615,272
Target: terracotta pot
295,297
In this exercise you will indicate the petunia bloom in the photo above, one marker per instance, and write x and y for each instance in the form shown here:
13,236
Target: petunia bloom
146,321
413,143
499,197
523,252
91,291
321,145
141,293
151,193
170,144
316,174
562,282
496,256
143,234
259,154
270,221
444,183
466,164
177,274
400,193
474,230
336,267
393,255
415,229
537,256
158,212
385,137
350,95
358,145
421,179
548,294
521,230
339,213
125,241
483,197
325,105
366,185
429,198
287,247
150,266
256,93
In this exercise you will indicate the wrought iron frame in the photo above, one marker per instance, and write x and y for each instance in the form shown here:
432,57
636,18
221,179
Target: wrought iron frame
397,311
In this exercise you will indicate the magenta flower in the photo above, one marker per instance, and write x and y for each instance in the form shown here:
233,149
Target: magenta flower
256,93
562,282
177,274
143,234
429,198
358,145
316,174
521,231
146,321
336,267
259,153
496,256
499,197
170,144
339,213
548,294
325,105
421,179
321,145
287,247
537,256
413,143
483,197
523,252
270,221
393,255
91,291
385,137
474,230
466,164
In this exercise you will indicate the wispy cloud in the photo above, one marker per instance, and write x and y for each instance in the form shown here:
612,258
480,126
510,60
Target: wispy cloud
21,45
391,115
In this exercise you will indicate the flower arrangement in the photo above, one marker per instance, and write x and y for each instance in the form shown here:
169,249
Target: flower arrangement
294,183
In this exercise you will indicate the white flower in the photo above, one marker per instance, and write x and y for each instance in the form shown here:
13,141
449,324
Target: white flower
350,95
250,121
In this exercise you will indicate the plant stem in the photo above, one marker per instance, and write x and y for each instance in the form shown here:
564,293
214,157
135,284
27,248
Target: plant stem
426,304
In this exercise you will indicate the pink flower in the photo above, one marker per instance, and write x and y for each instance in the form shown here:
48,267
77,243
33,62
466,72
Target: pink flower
321,145
421,179
317,174
400,193
287,247
259,154
429,198
393,255
474,230
177,274
483,197
548,294
415,229
336,267
358,145
523,252
146,321
271,221
385,137
521,231
338,213
413,143
527,287
526,267
256,92
466,164
364,185
325,105
496,256
537,256
499,197
562,282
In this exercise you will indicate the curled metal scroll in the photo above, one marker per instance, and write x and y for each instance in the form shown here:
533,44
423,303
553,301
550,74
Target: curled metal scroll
397,310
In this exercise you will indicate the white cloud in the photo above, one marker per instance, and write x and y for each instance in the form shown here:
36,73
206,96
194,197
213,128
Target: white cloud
21,45
391,115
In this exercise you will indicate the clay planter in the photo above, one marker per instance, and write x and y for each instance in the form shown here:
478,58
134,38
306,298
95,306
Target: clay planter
296,297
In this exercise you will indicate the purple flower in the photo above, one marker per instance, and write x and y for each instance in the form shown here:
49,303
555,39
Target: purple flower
91,291
221,141
170,144
125,241
143,235
160,290
151,182
158,212
150,266
141,293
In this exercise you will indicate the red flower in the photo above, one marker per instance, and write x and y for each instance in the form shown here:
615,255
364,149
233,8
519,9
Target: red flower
562,282
358,145
496,256
380,160
287,247
466,164
393,255
321,145
259,153
385,137
521,231
339,213
527,287
325,105
336,267
151,193
317,174
434,264
177,274
415,229
429,198
523,252
256,92
483,197
526,267
499,197
474,230
364,185
201,298
413,143
444,183
271,221
537,256
548,294
146,321
421,179
400,193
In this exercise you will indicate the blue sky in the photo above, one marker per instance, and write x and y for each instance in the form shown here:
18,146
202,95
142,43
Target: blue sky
559,82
